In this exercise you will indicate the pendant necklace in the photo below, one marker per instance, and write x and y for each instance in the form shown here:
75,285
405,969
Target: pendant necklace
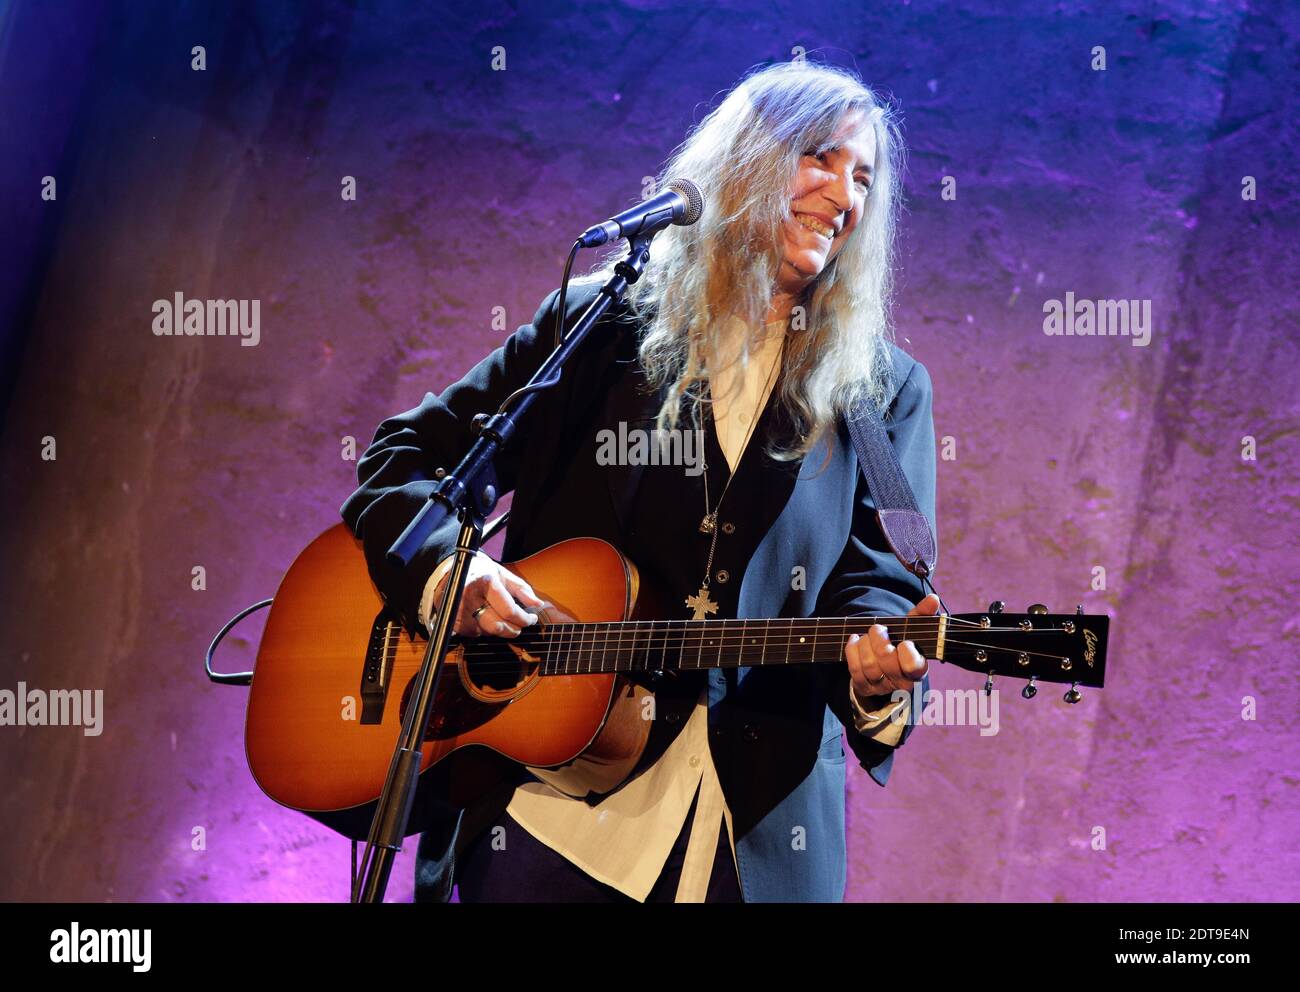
700,603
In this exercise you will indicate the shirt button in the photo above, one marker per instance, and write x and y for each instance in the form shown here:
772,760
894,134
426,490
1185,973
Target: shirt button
751,732
723,575
673,717
695,761
728,528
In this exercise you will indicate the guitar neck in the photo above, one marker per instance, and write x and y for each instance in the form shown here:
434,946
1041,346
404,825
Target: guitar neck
686,645
1036,645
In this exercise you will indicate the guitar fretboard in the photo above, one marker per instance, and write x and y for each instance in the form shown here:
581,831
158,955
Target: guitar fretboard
665,645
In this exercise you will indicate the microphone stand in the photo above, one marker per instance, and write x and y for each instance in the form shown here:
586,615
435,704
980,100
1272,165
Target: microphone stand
470,492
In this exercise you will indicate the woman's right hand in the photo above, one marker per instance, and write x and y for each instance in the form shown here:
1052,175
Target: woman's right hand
491,583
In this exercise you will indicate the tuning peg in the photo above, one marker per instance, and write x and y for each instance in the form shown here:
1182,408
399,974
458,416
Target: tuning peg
1073,695
997,606
1030,690
1037,610
988,685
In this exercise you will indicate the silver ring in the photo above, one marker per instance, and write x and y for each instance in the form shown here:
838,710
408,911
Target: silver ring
479,612
877,681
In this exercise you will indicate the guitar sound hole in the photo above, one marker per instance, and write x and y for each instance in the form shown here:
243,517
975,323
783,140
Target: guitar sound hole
494,664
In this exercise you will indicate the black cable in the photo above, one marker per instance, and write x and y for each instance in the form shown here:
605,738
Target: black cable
559,335
231,678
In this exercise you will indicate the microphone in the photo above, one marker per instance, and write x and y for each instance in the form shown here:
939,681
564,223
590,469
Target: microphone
681,203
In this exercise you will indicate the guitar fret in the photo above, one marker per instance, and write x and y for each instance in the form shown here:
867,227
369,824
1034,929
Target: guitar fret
648,645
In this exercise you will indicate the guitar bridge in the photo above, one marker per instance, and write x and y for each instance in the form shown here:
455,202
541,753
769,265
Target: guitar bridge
385,635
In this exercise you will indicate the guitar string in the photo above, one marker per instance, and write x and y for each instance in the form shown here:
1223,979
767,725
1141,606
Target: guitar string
617,634
503,666
492,652
625,636
992,647
698,635
792,625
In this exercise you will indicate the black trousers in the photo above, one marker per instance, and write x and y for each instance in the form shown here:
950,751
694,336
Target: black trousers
529,871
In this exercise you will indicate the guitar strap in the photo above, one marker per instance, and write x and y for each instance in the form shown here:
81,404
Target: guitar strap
905,527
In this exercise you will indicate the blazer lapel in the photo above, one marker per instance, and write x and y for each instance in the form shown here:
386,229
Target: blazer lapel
811,509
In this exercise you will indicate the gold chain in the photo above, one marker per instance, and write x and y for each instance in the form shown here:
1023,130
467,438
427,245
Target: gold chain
709,525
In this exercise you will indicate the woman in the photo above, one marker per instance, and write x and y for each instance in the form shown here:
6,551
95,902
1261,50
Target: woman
760,326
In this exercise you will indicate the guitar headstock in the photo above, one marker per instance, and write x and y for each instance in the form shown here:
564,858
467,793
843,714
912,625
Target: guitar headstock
1068,648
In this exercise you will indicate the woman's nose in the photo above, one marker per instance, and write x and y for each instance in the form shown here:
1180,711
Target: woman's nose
840,192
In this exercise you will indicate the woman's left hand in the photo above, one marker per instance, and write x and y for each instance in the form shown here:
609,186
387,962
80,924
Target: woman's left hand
877,668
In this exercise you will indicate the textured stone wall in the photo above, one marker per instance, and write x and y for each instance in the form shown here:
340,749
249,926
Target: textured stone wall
1071,453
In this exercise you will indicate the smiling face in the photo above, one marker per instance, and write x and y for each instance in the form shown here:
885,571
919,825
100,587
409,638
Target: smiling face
827,199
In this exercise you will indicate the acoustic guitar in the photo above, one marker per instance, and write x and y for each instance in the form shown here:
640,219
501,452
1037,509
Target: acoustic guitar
568,697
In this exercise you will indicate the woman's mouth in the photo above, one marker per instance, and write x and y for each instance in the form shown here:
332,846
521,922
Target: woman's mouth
816,225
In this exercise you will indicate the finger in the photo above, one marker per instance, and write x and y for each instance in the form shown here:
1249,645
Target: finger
490,622
473,596
927,607
506,608
520,589
853,658
912,665
470,619
866,674
878,638
887,661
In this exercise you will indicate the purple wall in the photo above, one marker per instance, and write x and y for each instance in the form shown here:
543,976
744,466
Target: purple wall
1071,452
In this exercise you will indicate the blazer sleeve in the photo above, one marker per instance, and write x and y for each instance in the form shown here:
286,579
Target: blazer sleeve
396,473
868,579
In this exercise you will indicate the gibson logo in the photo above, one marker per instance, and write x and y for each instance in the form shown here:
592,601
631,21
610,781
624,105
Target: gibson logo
1090,648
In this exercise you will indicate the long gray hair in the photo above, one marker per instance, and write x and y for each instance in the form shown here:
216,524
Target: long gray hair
744,156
